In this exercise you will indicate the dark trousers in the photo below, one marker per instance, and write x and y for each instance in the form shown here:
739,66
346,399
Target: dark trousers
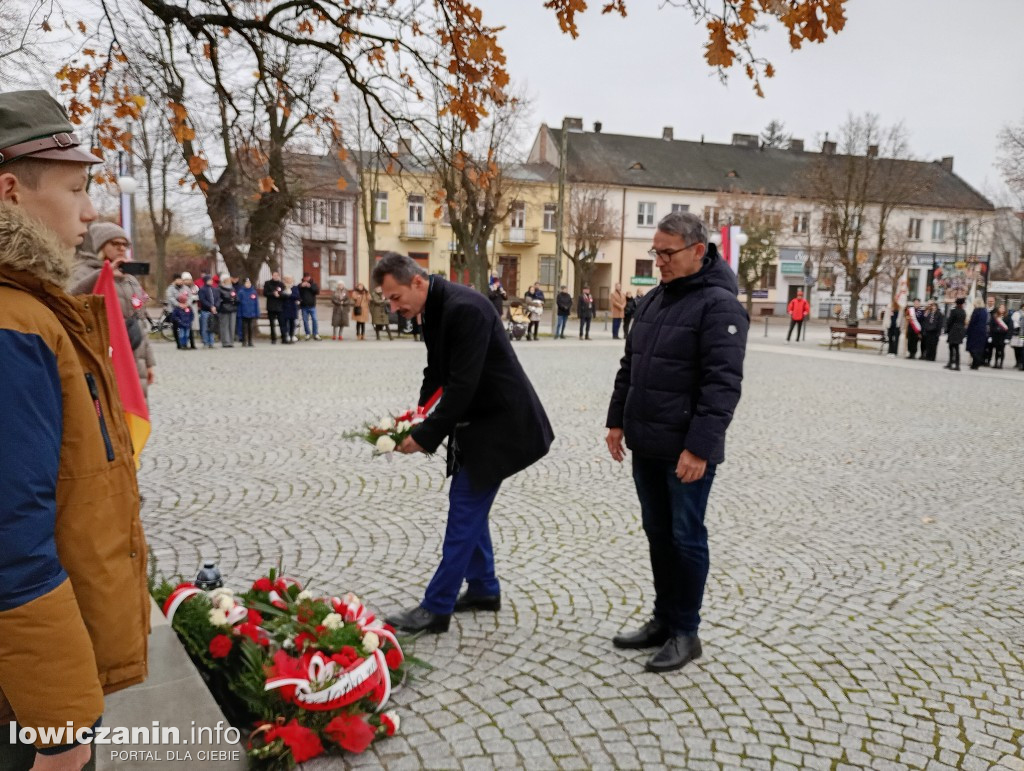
378,327
988,354
625,325
360,329
616,323
1018,356
531,329
585,328
563,319
999,352
894,340
248,329
287,329
673,518
954,355
799,328
977,358
913,338
467,554
929,346
274,317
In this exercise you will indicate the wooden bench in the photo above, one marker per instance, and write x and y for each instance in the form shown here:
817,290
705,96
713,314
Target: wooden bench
844,334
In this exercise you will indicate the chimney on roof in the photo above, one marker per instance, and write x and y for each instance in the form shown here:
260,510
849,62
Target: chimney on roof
597,127
573,124
403,146
796,145
947,163
828,147
746,140
667,134
872,151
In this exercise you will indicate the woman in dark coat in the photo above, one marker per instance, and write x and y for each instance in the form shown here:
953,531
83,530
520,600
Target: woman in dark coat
248,311
977,333
955,326
893,332
1000,334
628,313
290,299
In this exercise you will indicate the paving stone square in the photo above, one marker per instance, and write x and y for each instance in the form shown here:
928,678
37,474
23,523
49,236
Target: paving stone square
864,608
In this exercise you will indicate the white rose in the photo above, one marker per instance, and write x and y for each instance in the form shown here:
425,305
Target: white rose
304,595
218,617
371,642
225,602
386,424
403,426
393,717
288,643
216,594
332,621
385,444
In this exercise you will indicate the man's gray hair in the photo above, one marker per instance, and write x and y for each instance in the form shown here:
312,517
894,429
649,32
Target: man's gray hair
689,227
400,267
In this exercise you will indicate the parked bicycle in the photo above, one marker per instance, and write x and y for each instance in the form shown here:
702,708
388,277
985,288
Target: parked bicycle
162,325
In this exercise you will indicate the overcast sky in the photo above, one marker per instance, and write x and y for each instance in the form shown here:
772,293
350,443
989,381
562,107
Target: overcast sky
952,71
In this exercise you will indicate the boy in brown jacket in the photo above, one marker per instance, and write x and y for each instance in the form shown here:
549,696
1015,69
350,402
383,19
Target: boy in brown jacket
74,610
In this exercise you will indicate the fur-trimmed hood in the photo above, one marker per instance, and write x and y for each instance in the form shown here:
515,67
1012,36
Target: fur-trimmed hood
28,246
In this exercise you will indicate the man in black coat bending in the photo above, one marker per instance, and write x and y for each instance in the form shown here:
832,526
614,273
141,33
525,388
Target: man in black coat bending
491,416
674,397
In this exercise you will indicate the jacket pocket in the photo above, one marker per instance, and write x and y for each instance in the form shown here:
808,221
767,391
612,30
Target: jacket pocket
95,394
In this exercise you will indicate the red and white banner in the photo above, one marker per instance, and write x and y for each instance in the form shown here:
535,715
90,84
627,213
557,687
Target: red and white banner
731,246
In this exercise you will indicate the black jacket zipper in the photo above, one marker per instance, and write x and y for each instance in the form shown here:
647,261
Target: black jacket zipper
95,394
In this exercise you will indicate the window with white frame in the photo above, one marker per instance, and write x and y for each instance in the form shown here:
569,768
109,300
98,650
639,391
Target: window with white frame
711,216
518,216
960,232
939,230
380,207
304,212
336,213
550,216
645,214
680,208
415,208
548,269
801,223
914,229
319,211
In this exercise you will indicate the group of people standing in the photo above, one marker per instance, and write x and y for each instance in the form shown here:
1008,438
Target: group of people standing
231,308
986,332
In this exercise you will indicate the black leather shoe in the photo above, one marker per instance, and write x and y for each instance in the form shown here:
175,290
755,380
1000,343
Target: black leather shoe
469,601
419,619
650,635
676,653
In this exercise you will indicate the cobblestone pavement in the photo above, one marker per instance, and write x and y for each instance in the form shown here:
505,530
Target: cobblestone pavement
865,604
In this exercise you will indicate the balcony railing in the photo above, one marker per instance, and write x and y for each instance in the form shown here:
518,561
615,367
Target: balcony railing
418,231
512,235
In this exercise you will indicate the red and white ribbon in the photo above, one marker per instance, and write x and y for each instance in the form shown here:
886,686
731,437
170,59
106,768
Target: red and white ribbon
359,680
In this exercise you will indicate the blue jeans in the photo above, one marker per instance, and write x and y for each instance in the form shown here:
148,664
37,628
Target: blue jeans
616,323
467,553
673,518
182,333
560,326
307,314
205,328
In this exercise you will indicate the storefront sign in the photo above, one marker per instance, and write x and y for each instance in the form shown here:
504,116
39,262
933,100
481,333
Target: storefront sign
791,268
643,281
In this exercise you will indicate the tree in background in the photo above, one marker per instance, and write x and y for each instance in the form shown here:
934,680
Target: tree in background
857,189
762,219
590,221
775,136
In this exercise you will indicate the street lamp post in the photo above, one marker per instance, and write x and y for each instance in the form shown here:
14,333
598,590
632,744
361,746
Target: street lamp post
128,186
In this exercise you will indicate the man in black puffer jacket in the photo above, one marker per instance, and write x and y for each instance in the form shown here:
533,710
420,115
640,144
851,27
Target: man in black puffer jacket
675,394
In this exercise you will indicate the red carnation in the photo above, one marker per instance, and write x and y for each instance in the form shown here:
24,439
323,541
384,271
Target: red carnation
388,724
393,658
302,639
255,617
349,651
303,742
350,732
253,632
342,660
263,585
220,646
286,666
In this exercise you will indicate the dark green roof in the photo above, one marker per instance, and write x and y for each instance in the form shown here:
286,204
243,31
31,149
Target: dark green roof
619,160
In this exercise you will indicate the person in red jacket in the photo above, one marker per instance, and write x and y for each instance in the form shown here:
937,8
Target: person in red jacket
798,310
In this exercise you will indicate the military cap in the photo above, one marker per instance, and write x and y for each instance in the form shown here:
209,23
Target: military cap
34,125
